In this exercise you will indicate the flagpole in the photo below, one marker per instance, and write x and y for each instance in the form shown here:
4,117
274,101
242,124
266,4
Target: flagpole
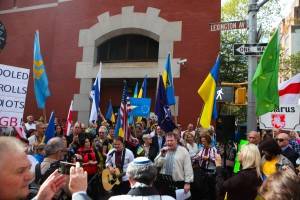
44,115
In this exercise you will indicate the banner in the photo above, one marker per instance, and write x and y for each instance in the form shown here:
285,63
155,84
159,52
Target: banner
286,117
13,90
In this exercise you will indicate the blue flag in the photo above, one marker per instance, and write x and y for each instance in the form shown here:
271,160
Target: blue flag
162,109
50,131
140,107
168,82
40,79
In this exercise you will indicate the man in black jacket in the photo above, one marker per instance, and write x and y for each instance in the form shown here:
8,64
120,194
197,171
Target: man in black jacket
283,141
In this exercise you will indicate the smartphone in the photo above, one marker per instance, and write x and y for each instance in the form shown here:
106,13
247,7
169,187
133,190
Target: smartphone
64,167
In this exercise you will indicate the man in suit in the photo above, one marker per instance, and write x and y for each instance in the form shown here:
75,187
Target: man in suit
158,139
283,141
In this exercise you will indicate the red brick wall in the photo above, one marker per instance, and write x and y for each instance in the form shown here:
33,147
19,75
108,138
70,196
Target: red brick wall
59,30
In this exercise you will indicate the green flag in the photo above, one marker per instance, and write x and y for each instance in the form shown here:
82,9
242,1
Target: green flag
265,80
237,164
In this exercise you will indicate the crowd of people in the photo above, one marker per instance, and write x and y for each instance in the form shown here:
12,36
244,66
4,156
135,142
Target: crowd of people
150,163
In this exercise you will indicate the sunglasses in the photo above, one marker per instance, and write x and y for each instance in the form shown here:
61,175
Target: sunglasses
280,139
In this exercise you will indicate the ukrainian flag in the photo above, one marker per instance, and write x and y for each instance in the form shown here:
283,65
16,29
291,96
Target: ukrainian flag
143,90
168,82
135,94
118,128
110,113
207,92
41,89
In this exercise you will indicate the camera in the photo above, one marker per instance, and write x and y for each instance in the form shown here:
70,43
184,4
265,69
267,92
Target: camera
64,167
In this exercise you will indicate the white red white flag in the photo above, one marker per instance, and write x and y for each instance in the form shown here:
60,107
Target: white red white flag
21,133
289,91
69,119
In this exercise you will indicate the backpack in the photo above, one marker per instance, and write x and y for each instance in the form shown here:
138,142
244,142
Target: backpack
35,185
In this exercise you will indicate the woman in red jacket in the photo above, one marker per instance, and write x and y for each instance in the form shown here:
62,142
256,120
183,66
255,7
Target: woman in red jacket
88,158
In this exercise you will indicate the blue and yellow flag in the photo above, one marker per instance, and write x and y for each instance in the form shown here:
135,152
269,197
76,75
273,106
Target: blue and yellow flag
207,92
168,82
118,128
135,94
110,113
40,79
143,90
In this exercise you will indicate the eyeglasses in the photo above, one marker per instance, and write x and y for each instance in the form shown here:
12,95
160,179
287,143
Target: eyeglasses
280,139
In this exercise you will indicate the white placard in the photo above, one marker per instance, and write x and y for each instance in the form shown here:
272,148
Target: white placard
13,90
286,117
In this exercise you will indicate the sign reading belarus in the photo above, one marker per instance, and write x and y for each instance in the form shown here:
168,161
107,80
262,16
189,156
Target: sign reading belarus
224,26
286,117
13,90
249,49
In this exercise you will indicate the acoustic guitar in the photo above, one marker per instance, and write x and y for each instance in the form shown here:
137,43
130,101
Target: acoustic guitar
110,180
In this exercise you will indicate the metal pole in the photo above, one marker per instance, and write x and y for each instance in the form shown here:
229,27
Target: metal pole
252,63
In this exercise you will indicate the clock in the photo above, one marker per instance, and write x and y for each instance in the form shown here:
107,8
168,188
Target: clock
2,35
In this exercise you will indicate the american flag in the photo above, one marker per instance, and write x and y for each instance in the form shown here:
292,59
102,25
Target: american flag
125,108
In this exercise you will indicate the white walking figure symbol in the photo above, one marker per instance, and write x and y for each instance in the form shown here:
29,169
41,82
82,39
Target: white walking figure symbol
219,94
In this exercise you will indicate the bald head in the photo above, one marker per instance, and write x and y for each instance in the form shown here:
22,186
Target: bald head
10,144
253,137
283,139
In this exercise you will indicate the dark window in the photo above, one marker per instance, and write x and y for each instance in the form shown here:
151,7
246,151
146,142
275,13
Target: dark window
128,48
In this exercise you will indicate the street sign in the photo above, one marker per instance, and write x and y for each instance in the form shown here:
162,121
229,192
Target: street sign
249,49
224,26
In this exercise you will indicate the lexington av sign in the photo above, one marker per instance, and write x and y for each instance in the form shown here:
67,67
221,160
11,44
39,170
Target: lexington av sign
224,26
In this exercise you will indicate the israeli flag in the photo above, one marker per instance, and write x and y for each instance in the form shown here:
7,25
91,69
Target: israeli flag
95,96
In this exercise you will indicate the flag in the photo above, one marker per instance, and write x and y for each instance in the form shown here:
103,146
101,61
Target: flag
162,109
69,119
143,90
50,131
40,79
168,82
20,132
95,96
125,108
289,91
237,164
110,113
118,128
265,80
207,92
140,107
135,95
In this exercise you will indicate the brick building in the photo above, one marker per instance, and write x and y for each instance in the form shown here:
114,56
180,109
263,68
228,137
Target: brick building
131,37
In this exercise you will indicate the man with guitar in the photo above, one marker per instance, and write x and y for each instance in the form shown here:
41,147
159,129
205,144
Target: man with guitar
117,162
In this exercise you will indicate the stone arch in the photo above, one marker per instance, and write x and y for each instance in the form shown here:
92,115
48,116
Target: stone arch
148,24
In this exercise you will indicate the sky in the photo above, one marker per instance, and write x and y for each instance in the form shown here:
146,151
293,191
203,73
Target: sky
285,4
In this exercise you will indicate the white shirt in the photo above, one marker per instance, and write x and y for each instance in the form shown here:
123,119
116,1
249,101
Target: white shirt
110,160
30,126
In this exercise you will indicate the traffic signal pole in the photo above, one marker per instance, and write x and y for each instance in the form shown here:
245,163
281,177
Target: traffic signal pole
252,62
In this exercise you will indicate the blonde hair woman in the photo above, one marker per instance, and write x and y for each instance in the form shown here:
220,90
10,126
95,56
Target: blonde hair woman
244,185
